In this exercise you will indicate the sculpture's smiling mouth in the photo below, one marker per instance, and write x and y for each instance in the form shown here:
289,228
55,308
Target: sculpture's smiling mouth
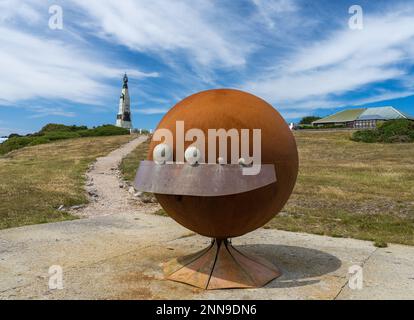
204,180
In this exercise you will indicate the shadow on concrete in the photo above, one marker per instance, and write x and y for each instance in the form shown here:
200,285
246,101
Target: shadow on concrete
297,264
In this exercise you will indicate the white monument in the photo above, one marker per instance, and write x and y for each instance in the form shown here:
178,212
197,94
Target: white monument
123,118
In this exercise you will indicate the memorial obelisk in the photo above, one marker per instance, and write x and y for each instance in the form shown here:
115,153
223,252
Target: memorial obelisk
123,118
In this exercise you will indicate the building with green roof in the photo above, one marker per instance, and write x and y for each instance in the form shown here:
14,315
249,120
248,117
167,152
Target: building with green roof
362,117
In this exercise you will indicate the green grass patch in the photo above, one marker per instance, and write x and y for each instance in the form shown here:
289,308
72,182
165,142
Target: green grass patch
161,212
380,244
130,163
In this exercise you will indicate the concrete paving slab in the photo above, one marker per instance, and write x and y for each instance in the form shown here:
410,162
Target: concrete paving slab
387,274
121,256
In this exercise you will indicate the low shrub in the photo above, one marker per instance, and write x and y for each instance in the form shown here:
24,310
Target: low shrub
39,140
393,131
14,135
106,130
60,135
368,136
14,143
309,119
53,127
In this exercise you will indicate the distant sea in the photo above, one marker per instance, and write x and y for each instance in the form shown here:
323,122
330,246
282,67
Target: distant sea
2,140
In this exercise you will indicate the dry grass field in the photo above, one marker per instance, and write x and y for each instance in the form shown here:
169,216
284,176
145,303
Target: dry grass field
344,188
352,189
35,181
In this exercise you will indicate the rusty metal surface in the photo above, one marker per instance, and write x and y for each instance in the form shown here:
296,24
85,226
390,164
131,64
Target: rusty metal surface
180,262
208,180
196,273
221,266
233,215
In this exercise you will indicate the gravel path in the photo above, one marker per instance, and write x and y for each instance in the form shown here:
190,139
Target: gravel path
109,194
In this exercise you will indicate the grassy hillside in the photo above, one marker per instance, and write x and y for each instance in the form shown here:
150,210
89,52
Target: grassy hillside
36,180
53,132
346,189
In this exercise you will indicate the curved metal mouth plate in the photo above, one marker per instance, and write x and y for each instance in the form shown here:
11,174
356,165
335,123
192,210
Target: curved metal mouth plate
204,180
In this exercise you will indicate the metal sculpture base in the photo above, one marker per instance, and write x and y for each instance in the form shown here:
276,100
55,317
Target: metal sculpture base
221,266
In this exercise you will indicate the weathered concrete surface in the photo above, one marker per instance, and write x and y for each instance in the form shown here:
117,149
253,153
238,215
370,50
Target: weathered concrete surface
120,256
389,273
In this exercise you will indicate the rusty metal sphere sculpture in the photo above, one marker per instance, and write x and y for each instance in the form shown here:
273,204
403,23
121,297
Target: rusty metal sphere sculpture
235,215
232,215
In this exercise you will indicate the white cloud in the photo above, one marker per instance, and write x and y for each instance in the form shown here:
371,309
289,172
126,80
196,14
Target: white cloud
383,97
36,64
353,45
271,10
291,88
34,67
347,61
40,112
4,131
163,27
149,111
12,10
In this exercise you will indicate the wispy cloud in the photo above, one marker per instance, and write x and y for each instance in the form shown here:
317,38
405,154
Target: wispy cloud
4,131
321,74
39,67
149,111
381,96
40,112
271,10
12,10
164,27
37,64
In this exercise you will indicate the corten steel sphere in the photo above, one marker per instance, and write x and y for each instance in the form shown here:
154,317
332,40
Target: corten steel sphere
231,216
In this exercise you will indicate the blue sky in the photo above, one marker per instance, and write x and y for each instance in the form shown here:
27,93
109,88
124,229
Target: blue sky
300,56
